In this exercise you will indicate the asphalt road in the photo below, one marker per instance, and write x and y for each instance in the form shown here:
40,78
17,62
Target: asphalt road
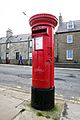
15,76
67,81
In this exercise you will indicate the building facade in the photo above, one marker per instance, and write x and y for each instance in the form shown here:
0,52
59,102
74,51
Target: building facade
16,49
67,42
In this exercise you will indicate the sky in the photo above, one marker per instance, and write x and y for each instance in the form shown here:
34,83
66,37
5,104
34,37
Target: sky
11,13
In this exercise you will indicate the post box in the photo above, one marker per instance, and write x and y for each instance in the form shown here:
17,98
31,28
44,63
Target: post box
43,88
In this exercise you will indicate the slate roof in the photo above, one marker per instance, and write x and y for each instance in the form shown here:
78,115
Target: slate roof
63,27
16,38
3,40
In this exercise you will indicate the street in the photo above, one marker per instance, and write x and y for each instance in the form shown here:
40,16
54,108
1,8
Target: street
67,81
15,76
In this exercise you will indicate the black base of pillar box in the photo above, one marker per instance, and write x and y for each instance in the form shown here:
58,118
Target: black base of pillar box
42,99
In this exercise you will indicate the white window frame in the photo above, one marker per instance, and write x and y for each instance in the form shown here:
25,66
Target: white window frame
7,55
69,38
70,25
30,55
69,54
8,45
31,43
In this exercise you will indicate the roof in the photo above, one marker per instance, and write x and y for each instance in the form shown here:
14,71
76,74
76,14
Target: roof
16,38
3,40
63,27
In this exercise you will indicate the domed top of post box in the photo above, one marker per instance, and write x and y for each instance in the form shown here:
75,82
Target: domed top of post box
43,19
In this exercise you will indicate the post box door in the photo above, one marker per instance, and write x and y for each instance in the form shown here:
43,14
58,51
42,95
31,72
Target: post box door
38,62
41,67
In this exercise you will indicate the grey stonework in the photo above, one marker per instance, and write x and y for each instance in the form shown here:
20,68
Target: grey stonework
18,47
3,51
62,46
11,45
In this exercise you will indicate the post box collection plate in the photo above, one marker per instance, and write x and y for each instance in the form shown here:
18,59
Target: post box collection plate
39,43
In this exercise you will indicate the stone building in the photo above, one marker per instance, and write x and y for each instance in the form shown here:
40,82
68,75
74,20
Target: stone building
16,47
67,42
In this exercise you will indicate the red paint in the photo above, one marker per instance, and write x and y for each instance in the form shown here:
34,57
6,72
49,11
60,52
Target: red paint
43,50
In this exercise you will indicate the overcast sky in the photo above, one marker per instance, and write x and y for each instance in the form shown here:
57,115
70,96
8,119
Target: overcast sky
11,15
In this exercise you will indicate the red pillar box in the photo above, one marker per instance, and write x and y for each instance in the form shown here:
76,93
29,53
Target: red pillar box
42,96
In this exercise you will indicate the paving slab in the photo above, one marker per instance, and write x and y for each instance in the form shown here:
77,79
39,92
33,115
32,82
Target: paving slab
8,107
73,111
10,99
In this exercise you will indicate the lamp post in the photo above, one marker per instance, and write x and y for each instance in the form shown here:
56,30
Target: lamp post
28,42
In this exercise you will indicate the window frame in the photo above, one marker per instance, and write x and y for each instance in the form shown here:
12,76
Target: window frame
69,38
8,45
69,54
30,43
70,25
17,55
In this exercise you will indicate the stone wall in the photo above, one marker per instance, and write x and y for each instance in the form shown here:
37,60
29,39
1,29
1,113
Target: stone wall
21,47
62,46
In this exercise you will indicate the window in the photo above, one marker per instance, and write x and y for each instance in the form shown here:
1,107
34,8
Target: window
7,55
70,25
8,45
17,55
30,55
69,38
30,43
69,54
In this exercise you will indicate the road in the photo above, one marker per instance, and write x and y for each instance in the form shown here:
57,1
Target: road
15,76
67,81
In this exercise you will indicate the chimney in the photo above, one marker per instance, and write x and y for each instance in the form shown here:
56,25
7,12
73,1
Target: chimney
9,33
60,19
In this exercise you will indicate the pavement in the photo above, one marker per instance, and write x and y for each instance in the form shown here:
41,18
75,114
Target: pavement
15,105
11,100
